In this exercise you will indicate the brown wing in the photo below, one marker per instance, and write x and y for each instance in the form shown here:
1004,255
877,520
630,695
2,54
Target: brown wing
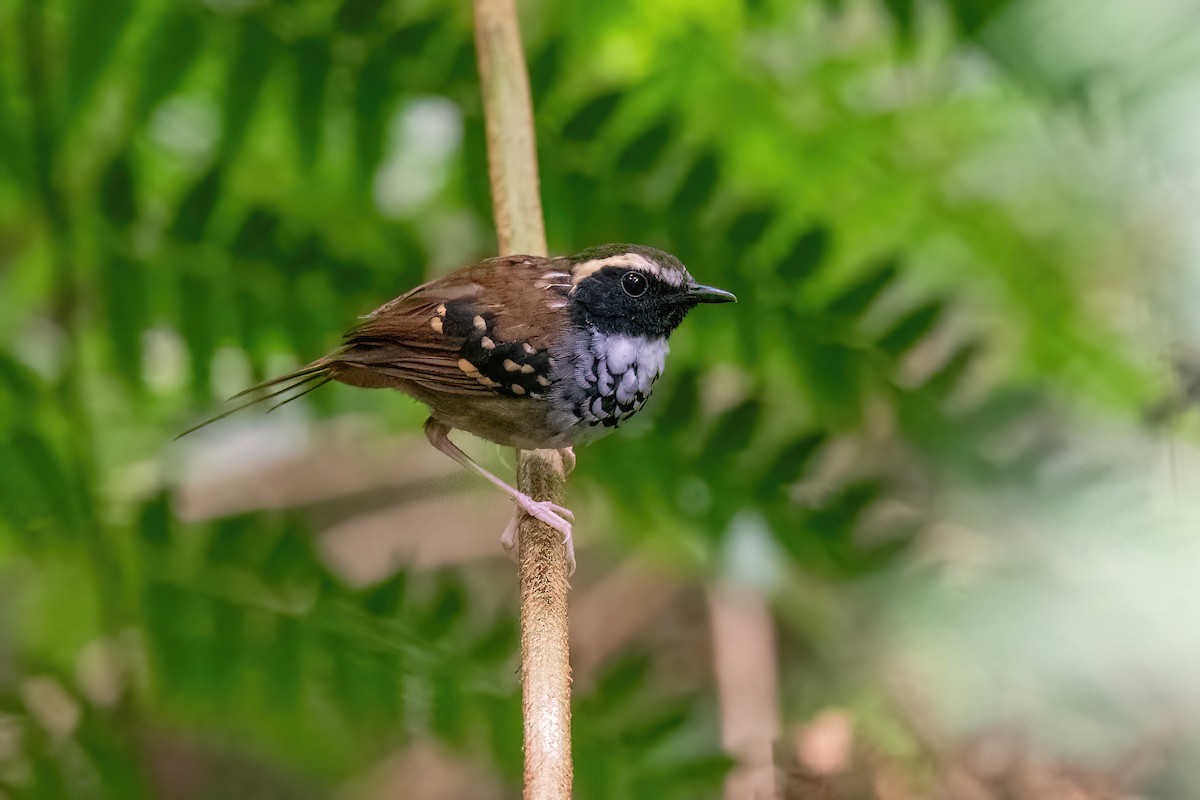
449,336
487,328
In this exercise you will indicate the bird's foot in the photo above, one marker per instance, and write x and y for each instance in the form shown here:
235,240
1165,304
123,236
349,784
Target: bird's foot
552,514
567,454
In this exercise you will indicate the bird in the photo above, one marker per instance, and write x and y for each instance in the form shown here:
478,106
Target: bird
524,351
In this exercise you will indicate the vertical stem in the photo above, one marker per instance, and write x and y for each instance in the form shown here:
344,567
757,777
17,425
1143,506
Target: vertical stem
743,640
508,114
517,206
545,658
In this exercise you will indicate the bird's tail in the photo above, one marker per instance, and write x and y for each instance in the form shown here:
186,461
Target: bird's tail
306,379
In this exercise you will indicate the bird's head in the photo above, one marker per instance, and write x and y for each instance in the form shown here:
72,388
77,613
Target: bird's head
635,290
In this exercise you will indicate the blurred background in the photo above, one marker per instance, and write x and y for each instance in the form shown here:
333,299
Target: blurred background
917,518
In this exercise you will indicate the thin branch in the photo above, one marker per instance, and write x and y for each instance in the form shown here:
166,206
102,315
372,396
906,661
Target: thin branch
517,206
545,658
508,112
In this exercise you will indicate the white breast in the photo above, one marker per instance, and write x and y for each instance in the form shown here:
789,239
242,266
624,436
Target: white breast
613,376
630,364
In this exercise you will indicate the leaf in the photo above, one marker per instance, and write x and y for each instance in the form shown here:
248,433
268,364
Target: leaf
837,518
234,541
124,295
13,147
463,71
19,380
312,63
1006,406
498,644
253,308
807,254
385,599
154,523
644,150
884,554
373,96
32,489
289,563
118,191
307,256
585,124
286,662
911,328
789,464
357,16
948,377
903,13
447,711
697,186
359,681
749,226
854,301
445,611
171,52
680,407
835,375
973,15
257,236
652,727
475,168
35,51
410,40
301,299
197,205
195,303
244,82
698,776
623,680
95,29
227,647
731,433
43,469
544,69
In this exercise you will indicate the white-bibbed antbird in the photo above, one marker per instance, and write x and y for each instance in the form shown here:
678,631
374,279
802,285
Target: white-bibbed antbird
523,351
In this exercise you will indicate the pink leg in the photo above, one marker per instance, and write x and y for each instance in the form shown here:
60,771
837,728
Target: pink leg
552,514
509,540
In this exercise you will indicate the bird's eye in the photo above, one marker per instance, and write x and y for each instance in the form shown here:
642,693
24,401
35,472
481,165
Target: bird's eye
634,284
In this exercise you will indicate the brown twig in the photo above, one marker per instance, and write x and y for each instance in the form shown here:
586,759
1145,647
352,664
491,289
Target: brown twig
517,206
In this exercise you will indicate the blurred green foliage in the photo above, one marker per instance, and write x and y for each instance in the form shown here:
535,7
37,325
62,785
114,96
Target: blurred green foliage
182,181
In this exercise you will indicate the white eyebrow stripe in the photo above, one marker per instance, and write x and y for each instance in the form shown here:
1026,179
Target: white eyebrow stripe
628,261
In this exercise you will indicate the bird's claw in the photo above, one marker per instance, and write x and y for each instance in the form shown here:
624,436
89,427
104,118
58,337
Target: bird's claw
552,514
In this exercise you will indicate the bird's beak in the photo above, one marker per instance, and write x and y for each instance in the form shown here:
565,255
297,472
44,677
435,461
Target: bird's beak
710,294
